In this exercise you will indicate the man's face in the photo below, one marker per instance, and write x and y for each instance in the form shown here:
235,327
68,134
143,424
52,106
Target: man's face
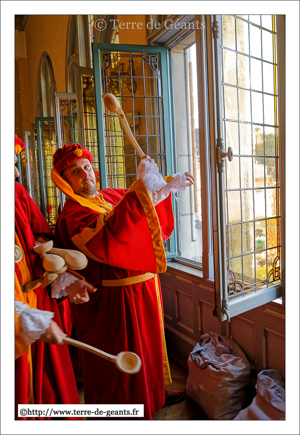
17,173
81,177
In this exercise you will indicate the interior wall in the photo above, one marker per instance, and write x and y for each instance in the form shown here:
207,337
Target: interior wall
22,95
129,33
46,33
189,302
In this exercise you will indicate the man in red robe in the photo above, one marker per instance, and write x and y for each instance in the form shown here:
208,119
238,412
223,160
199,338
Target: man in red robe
43,370
122,234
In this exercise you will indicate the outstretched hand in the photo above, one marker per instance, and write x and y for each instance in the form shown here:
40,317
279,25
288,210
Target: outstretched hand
78,292
189,179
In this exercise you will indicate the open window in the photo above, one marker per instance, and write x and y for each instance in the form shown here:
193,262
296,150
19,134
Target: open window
243,54
241,114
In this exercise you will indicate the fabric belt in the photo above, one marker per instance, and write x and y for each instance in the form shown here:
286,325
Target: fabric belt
127,281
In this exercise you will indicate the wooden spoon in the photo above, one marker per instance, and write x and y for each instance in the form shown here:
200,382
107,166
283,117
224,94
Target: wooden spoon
41,248
127,362
75,260
52,262
44,280
113,106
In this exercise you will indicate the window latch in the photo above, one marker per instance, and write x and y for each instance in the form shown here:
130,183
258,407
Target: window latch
221,154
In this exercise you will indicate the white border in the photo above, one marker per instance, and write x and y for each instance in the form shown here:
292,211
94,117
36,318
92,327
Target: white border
291,10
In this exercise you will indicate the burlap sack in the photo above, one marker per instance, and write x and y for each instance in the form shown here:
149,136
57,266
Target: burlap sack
218,372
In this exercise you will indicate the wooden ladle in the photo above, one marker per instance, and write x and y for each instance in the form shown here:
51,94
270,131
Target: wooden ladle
41,248
127,362
113,106
52,262
44,281
75,260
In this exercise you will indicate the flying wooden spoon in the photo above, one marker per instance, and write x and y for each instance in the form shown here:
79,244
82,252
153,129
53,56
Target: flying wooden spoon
113,106
127,362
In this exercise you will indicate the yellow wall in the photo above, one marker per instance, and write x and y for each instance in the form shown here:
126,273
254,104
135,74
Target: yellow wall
46,33
22,98
130,33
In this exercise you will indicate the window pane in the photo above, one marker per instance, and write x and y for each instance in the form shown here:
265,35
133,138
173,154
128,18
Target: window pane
258,140
231,106
248,237
234,207
246,172
269,109
272,202
255,41
270,168
257,107
270,141
260,235
188,151
244,105
243,71
89,123
242,36
229,59
268,74
235,238
233,174
266,21
273,264
256,81
245,139
261,266
254,19
259,172
228,31
267,39
135,79
232,136
247,205
273,233
48,148
259,198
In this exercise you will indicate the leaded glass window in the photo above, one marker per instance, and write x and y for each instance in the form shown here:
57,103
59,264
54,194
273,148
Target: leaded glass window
50,196
252,182
138,77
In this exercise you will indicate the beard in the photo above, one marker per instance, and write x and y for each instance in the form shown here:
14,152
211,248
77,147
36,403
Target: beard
89,187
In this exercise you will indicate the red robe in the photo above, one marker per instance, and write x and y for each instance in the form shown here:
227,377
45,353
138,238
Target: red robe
124,242
43,372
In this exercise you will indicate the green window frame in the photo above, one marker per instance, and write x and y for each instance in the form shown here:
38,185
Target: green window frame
101,115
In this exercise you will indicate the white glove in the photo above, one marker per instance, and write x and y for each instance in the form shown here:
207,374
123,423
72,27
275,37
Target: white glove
148,172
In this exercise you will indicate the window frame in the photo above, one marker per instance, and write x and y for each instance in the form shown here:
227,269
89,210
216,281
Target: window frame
214,263
166,90
225,308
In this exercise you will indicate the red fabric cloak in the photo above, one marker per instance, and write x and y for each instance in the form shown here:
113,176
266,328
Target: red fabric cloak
53,377
124,242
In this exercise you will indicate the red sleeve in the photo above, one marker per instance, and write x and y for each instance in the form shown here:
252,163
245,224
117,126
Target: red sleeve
128,237
164,210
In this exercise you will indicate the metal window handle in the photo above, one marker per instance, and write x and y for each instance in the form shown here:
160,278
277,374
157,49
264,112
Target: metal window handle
221,155
229,154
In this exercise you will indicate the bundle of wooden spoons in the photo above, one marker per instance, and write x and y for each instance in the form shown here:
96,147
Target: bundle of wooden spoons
55,259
